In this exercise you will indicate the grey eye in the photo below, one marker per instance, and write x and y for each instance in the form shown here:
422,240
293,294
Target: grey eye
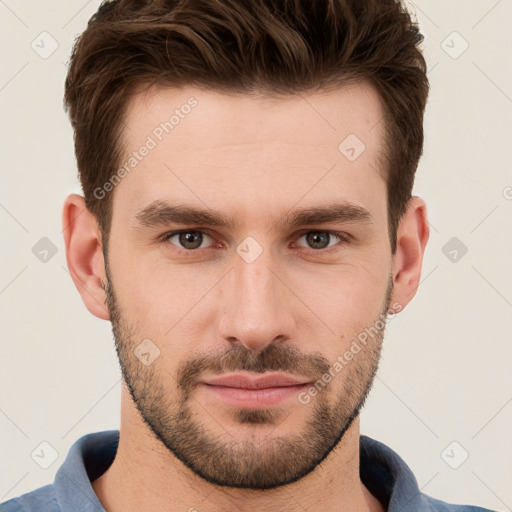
320,239
189,240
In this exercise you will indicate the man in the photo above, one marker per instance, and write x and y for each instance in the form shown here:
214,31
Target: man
247,226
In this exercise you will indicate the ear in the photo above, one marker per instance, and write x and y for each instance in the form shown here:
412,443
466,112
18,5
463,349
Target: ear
84,254
412,236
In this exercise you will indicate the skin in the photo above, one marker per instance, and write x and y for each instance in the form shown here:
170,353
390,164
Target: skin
256,159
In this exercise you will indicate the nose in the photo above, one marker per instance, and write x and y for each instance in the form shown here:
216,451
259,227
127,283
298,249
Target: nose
257,305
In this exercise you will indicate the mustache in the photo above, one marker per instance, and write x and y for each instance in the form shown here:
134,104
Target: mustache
274,357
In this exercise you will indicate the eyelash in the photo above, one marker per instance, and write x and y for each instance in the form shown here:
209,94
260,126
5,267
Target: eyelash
344,238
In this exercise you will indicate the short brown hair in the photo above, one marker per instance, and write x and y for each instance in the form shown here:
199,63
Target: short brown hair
234,46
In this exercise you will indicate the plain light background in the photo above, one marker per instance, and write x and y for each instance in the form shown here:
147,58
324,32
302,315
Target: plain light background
444,388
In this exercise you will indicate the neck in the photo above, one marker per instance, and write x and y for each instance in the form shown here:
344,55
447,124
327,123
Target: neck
145,477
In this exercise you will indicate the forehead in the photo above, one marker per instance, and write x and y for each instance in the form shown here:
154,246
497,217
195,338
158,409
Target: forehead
253,117
195,146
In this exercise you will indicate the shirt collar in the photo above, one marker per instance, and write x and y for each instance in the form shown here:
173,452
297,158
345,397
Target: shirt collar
389,478
382,471
87,459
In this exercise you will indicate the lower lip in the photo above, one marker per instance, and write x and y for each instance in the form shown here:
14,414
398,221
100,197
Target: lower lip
254,398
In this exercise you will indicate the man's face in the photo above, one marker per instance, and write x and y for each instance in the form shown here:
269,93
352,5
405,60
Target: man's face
263,296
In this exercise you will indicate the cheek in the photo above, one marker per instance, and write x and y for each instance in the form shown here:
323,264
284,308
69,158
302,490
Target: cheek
343,301
163,299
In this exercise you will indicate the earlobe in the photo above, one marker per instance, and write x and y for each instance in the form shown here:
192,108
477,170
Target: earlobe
412,237
84,254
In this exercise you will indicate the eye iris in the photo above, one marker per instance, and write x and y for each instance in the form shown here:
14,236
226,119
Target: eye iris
318,237
190,237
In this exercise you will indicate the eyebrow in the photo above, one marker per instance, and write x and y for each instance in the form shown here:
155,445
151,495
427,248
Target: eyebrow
160,213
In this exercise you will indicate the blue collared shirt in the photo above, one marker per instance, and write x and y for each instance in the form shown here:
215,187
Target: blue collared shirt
382,471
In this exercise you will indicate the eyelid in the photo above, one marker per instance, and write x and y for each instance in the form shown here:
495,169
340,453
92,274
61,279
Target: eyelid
342,235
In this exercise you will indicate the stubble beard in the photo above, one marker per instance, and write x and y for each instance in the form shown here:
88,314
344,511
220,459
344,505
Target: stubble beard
252,461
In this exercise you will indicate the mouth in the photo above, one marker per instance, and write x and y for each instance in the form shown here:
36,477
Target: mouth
242,390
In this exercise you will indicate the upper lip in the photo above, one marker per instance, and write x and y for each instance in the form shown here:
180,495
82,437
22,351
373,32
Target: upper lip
264,381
